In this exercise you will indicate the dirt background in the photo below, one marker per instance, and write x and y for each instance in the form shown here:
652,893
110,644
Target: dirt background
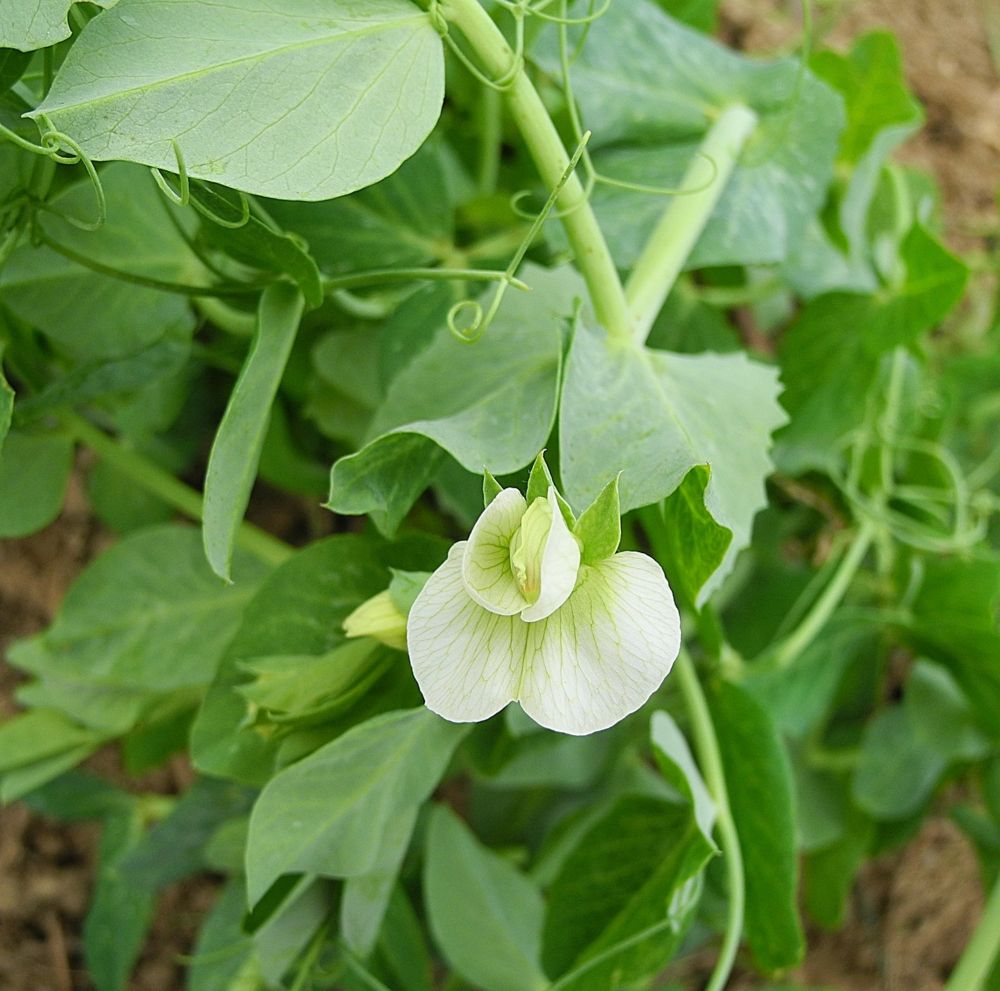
911,913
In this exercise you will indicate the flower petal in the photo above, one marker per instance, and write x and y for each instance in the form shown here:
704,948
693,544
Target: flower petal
560,567
466,659
603,654
486,568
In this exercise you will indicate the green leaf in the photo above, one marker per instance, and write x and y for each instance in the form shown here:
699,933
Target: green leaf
22,781
258,244
756,764
280,940
489,403
365,900
223,948
940,714
97,316
31,24
540,480
330,813
232,465
463,880
299,609
38,734
402,945
898,769
34,471
404,220
353,91
491,487
12,63
830,872
599,528
631,868
6,406
120,912
954,621
653,416
700,14
405,587
664,109
100,378
677,765
830,355
148,598
689,541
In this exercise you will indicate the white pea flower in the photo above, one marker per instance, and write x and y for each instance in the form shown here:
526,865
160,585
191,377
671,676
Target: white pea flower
527,610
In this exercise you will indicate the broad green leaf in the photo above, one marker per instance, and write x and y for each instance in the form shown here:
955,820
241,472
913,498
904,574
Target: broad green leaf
101,379
223,948
634,867
687,539
700,14
35,735
403,947
646,81
830,355
940,714
653,416
145,617
96,316
299,609
120,912
464,880
955,622
821,803
330,813
22,781
829,873
34,470
898,769
488,404
232,464
365,898
31,24
756,764
881,114
353,90
678,767
404,220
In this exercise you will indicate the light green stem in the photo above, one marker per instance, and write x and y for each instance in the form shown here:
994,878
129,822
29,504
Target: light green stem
171,490
814,621
707,747
551,159
685,218
974,967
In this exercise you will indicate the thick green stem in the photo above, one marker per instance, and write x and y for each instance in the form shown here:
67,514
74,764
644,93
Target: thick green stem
814,621
685,218
551,159
706,745
974,967
171,490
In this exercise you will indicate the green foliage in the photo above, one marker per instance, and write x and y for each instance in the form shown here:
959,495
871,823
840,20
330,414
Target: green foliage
756,764
359,89
291,305
463,880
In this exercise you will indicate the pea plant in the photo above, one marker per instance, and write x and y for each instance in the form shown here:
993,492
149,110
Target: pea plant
653,586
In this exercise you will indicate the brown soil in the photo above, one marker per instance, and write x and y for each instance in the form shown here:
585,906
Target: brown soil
911,913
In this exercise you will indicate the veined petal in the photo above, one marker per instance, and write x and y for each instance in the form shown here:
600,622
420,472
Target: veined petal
609,647
559,569
486,568
466,659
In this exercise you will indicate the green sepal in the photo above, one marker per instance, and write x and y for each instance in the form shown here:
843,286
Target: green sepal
491,487
599,528
539,482
405,587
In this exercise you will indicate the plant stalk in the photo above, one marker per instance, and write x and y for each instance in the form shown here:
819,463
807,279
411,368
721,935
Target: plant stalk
171,490
551,159
707,747
685,218
979,955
